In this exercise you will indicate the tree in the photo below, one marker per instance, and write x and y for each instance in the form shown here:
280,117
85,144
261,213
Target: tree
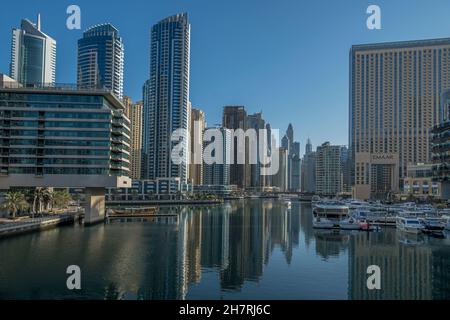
42,199
14,202
61,199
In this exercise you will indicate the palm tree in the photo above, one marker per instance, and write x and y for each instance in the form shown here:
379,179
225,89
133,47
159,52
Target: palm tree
61,199
14,202
42,199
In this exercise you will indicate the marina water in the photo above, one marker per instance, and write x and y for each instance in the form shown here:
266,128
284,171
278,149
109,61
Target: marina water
244,249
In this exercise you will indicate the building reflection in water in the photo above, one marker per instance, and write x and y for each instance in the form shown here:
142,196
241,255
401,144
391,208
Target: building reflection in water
331,243
235,240
412,267
229,246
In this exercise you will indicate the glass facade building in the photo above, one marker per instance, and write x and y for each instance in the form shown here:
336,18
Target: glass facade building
166,99
217,172
62,138
33,55
234,118
101,59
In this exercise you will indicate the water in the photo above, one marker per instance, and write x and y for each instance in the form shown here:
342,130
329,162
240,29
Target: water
254,249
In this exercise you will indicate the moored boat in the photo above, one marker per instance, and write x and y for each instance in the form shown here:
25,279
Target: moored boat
350,224
329,215
409,225
433,226
446,221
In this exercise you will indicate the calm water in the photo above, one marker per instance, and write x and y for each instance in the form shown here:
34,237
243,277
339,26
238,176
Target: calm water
253,249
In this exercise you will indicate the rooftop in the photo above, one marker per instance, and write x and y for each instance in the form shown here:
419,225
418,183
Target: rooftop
401,44
61,88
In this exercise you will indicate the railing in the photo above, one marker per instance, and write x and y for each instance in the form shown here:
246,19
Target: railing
55,86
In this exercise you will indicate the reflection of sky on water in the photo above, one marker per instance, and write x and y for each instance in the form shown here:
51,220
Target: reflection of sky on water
255,249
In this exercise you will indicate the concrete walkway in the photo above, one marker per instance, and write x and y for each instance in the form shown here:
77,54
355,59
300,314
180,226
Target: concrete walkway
21,226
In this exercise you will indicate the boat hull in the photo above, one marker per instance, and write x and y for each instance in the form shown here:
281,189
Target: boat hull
324,224
410,230
350,226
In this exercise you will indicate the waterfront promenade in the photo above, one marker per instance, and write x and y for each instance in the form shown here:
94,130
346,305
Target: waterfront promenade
15,227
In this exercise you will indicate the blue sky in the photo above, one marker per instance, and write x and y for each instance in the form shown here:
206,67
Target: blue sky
288,58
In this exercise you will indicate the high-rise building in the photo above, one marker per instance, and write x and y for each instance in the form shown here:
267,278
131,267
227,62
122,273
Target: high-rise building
135,115
346,170
329,175
256,122
289,143
197,127
296,173
308,147
286,144
235,117
296,163
280,179
268,179
166,99
33,54
218,172
128,103
64,147
101,58
296,148
309,173
395,91
308,170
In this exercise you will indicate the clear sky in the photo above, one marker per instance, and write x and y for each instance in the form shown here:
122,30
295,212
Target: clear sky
288,58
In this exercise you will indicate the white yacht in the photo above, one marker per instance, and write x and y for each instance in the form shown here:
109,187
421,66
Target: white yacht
350,224
446,220
329,215
288,204
409,225
433,226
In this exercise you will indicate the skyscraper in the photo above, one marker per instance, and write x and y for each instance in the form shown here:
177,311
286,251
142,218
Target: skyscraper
268,179
280,179
135,115
100,59
256,122
235,117
128,103
296,164
308,147
218,173
290,135
166,98
33,54
395,91
308,171
197,127
286,144
329,174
